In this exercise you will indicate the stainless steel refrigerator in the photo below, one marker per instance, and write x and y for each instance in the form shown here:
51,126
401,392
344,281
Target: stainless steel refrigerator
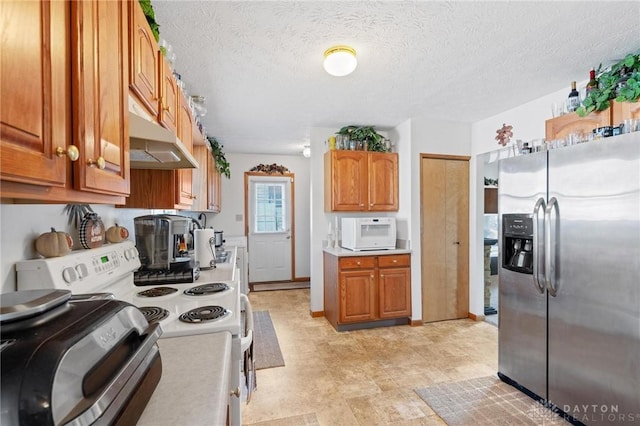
569,278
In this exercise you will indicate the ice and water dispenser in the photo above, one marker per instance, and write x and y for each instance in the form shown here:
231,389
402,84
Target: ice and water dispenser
517,242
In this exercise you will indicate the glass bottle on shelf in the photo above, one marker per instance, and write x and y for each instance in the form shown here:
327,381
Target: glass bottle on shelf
573,100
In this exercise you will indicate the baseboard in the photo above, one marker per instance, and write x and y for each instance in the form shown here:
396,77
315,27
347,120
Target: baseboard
316,314
476,317
416,323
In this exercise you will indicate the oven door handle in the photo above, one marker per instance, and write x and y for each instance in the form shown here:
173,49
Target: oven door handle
247,337
124,382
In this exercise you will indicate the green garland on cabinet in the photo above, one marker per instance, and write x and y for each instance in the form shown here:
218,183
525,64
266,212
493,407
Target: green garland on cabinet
151,18
621,82
222,165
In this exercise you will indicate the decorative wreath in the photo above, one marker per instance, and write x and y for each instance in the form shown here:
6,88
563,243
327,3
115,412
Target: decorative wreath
270,169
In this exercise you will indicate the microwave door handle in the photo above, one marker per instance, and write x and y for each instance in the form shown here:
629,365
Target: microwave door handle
536,242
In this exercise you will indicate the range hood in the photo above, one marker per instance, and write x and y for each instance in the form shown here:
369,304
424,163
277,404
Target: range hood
154,147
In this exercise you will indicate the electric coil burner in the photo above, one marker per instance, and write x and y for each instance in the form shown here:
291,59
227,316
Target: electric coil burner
206,289
204,314
154,314
157,292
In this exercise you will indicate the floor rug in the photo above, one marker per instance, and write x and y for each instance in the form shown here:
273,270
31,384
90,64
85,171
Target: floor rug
484,401
266,348
286,285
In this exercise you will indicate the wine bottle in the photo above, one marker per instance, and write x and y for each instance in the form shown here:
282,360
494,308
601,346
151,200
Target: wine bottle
593,82
573,100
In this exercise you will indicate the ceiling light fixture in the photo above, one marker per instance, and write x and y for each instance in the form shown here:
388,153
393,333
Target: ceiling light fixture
306,151
340,60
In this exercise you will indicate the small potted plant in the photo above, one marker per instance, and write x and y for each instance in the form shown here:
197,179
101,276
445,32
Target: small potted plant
222,165
373,140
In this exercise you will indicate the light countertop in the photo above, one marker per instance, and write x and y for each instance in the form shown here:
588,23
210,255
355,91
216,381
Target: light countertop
222,272
194,387
342,252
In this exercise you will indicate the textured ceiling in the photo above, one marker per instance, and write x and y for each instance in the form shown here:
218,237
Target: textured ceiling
259,64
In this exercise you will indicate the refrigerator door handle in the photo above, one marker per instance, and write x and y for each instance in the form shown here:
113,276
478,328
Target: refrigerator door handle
536,242
549,250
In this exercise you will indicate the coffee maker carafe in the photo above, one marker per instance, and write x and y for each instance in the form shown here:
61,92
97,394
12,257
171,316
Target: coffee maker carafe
162,241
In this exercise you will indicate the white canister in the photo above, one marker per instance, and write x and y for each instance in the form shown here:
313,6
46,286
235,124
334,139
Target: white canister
204,246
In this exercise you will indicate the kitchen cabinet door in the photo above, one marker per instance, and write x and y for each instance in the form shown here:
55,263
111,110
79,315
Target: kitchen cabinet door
560,127
100,95
185,176
346,181
357,295
623,111
35,107
214,188
169,97
394,292
383,181
143,60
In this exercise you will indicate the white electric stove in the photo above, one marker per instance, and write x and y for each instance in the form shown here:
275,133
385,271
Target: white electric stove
206,306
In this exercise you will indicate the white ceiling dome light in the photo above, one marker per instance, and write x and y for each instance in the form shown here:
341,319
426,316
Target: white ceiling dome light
340,60
306,151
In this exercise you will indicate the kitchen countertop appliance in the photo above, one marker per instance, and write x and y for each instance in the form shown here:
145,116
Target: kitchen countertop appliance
569,297
82,362
164,242
181,309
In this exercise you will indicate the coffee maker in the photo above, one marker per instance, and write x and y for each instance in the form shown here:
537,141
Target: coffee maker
163,243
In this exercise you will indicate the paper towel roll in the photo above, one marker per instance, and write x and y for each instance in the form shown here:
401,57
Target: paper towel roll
204,245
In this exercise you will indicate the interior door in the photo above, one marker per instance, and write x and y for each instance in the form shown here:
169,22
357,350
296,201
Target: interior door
269,228
445,237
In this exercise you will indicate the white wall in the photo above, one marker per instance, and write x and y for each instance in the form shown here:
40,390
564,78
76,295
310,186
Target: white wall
231,218
21,224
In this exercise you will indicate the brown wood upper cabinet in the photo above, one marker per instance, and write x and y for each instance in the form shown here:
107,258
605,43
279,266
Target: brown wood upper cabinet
360,181
560,127
64,130
206,182
143,60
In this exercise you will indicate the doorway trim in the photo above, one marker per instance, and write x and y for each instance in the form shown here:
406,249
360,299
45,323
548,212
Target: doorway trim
291,176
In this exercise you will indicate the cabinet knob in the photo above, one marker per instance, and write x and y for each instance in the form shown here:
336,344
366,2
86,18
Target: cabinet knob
381,275
235,392
361,205
358,262
71,152
456,243
395,260
371,205
99,163
371,276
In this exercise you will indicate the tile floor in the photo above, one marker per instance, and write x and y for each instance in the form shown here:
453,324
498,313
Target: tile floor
363,377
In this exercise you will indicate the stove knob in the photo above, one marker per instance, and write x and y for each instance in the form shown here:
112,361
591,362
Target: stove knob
82,270
69,275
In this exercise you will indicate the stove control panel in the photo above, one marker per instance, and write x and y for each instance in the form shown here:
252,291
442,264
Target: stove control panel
81,271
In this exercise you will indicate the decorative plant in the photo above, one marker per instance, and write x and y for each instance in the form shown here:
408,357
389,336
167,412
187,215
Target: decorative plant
76,213
151,17
621,82
374,140
222,165
270,168
504,134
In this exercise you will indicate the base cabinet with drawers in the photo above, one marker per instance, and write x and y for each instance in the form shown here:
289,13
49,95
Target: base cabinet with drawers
367,291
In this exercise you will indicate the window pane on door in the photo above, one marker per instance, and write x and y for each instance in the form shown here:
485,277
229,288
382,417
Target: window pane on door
269,204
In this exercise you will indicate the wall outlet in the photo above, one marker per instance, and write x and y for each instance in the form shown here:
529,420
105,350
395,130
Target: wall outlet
239,218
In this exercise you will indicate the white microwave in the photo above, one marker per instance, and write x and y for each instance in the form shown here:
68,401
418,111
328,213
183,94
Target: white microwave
368,233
